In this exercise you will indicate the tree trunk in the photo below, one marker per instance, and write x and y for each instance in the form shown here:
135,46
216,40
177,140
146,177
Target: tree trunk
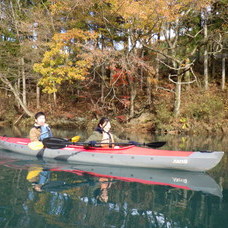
55,98
149,90
102,72
177,101
102,82
21,60
205,69
213,66
223,72
157,68
23,81
157,62
132,99
205,53
18,87
129,40
37,96
187,75
141,73
16,94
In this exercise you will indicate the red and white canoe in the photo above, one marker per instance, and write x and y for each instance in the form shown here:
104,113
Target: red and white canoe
130,156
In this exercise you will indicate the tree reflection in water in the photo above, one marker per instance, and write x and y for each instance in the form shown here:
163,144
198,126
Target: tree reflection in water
75,199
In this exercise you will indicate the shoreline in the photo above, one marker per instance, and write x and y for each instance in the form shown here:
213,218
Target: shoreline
127,127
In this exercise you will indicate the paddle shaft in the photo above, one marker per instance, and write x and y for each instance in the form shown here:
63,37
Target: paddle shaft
116,144
58,143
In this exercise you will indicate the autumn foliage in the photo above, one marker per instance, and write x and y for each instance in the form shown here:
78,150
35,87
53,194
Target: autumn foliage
64,61
119,57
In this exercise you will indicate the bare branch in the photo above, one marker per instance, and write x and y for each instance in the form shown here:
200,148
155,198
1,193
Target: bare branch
185,67
191,36
169,90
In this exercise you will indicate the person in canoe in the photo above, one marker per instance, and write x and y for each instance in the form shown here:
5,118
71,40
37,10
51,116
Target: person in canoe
102,134
40,129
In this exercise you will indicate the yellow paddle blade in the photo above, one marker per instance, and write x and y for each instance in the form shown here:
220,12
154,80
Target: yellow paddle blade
37,145
33,173
75,139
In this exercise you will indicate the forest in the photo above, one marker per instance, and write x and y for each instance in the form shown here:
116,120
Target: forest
160,65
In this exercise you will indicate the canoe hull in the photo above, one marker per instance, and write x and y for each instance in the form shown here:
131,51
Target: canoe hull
130,156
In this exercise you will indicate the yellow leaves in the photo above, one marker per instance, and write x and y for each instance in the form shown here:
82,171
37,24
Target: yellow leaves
184,122
56,76
65,60
76,34
70,63
37,67
59,6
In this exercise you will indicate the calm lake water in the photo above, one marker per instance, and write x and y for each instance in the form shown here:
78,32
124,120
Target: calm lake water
94,196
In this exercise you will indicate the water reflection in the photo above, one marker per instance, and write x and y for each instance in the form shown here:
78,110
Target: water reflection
38,176
94,196
197,142
23,132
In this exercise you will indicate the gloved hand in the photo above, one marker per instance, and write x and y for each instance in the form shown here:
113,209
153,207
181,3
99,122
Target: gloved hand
92,143
134,143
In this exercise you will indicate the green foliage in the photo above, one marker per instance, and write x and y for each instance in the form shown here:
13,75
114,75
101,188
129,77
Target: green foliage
206,108
163,115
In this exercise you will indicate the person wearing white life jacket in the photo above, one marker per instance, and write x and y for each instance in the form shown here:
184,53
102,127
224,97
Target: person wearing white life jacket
102,134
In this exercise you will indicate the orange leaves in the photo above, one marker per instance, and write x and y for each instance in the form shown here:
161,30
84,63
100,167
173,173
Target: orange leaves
135,13
171,10
152,80
119,77
147,12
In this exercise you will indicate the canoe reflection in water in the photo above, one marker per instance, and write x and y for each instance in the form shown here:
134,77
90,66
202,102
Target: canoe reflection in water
38,177
67,194
102,178
195,181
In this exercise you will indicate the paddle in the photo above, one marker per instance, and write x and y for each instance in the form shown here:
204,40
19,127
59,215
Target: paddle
59,143
74,139
38,145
